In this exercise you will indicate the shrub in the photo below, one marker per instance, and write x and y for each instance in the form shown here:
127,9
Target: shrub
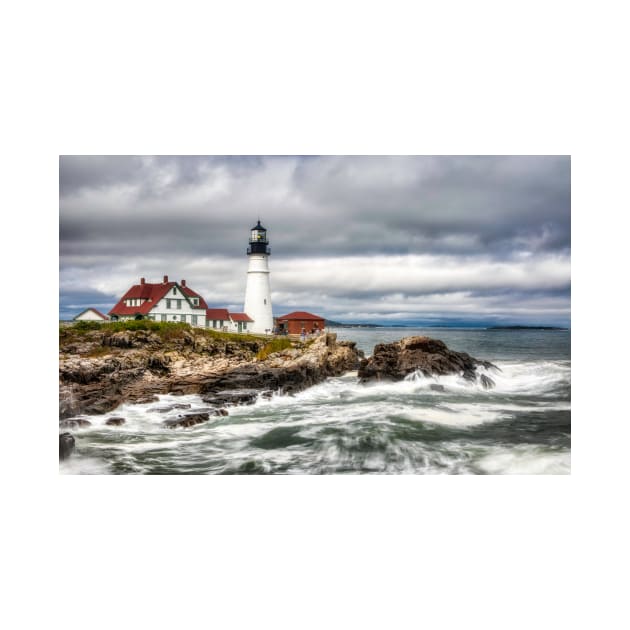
83,326
166,330
275,345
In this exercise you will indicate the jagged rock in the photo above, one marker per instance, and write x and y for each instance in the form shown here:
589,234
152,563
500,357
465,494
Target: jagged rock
66,445
486,381
171,407
144,399
188,420
158,363
74,423
322,358
115,422
394,361
233,397
436,388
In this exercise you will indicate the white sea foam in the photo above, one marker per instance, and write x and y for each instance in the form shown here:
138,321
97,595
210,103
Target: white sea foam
349,427
76,465
525,460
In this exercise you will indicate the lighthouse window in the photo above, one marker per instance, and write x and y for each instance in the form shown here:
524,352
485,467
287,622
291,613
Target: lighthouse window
265,300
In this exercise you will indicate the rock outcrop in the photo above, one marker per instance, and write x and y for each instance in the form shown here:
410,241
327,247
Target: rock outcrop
99,370
284,372
431,357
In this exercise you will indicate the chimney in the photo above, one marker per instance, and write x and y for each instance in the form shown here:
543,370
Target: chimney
165,279
141,280
183,283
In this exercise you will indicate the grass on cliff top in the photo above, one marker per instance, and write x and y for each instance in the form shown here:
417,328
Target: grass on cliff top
275,345
166,330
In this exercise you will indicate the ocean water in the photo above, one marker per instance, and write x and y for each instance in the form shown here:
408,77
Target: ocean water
522,426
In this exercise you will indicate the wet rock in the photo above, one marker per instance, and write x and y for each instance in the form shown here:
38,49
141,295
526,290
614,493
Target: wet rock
66,445
233,397
394,361
486,381
188,420
171,407
436,388
115,422
223,412
143,400
74,423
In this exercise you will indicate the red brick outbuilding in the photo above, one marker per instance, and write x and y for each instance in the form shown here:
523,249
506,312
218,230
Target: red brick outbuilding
300,321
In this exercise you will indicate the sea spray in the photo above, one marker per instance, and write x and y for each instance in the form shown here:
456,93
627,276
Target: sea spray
421,425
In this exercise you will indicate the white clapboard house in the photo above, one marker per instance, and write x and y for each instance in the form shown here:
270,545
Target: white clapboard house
175,302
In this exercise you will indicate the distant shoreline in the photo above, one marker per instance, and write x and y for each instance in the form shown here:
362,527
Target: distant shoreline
443,327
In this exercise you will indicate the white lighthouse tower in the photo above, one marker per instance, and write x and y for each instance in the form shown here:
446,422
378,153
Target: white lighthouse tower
258,291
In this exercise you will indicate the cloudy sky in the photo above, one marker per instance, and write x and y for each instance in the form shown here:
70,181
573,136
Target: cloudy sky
430,240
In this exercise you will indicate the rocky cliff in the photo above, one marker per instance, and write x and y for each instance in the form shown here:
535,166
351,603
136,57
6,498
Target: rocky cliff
100,369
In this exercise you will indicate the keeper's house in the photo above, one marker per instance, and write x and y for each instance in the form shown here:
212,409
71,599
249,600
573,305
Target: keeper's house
300,321
175,302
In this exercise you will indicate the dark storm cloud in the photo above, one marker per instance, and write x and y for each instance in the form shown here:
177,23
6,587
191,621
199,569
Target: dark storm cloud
495,223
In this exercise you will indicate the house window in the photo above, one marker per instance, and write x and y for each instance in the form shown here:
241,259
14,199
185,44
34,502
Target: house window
168,304
183,318
214,323
194,320
265,300
163,318
179,303
244,325
174,316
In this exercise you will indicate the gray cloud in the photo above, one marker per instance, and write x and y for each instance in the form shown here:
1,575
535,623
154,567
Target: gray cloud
343,230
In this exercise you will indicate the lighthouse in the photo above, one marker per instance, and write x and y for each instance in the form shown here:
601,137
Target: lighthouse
258,290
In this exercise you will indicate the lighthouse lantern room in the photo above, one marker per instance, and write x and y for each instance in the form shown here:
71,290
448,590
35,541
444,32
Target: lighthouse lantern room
258,290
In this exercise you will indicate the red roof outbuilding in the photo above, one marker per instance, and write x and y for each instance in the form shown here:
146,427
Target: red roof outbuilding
301,315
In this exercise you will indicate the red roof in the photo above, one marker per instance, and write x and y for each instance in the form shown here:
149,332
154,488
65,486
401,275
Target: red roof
153,293
300,315
217,313
190,293
94,311
241,317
